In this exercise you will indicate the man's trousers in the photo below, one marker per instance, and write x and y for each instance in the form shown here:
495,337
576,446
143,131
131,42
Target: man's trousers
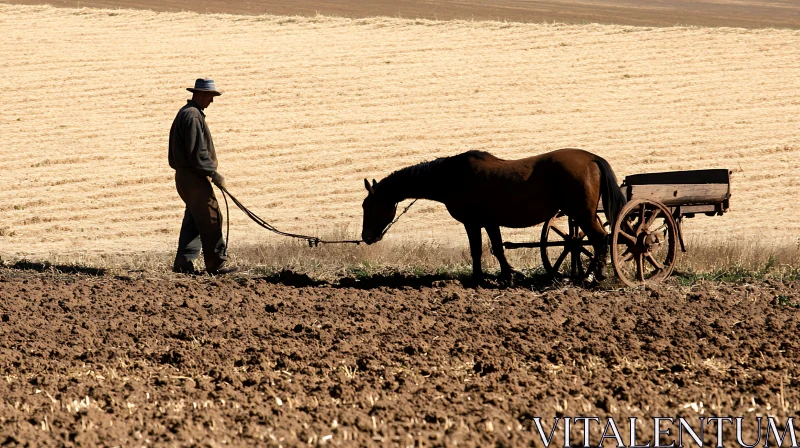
202,222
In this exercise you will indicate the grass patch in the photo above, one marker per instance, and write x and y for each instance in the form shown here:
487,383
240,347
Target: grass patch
738,261
736,275
388,261
787,301
333,262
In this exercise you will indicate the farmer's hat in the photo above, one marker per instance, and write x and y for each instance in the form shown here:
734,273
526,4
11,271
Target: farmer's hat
204,85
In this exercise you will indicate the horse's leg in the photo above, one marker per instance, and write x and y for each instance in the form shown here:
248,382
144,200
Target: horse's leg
591,226
496,239
475,249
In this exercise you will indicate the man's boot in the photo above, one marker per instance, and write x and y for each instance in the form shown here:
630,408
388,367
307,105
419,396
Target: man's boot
185,267
224,268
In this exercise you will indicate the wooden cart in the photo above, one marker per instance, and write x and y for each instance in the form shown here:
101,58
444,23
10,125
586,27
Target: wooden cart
644,241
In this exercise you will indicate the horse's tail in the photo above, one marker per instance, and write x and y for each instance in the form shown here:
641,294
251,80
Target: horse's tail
613,199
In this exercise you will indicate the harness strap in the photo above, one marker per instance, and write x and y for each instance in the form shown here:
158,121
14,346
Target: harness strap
398,217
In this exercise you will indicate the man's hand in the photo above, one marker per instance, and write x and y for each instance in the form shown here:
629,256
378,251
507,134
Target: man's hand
218,179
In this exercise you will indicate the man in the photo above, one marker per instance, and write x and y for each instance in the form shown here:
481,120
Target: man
192,155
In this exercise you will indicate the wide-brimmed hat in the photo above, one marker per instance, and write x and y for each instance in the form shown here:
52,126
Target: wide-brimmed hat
204,85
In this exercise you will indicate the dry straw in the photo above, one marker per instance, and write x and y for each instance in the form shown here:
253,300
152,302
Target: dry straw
733,260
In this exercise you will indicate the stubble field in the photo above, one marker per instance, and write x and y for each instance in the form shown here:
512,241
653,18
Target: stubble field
314,105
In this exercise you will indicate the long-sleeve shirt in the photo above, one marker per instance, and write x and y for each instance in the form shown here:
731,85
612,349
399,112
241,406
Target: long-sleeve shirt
190,144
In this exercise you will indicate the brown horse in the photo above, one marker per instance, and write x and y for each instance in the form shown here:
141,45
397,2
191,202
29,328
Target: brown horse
483,191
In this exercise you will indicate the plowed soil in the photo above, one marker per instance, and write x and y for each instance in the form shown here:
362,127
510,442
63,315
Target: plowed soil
174,360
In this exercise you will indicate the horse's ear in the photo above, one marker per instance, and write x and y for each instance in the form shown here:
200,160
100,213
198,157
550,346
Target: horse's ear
370,189
374,184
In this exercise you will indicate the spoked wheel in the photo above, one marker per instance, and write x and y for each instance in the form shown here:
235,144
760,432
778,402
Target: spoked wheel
643,243
566,251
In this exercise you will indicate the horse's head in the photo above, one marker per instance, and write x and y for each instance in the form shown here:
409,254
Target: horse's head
378,213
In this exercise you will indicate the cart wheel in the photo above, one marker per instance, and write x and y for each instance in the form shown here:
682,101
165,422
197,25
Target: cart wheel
566,251
643,243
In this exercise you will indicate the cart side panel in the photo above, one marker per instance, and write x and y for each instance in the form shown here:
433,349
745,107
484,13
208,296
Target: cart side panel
681,194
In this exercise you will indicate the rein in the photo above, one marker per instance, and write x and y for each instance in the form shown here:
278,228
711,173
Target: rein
312,241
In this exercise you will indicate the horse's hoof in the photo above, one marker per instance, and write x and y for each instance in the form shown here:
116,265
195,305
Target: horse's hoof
510,278
474,282
590,281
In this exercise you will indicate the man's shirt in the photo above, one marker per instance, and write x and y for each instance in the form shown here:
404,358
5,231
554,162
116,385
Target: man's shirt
190,144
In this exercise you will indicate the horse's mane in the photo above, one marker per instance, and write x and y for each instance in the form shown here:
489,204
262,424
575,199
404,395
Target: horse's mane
424,169
475,154
419,170
422,174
